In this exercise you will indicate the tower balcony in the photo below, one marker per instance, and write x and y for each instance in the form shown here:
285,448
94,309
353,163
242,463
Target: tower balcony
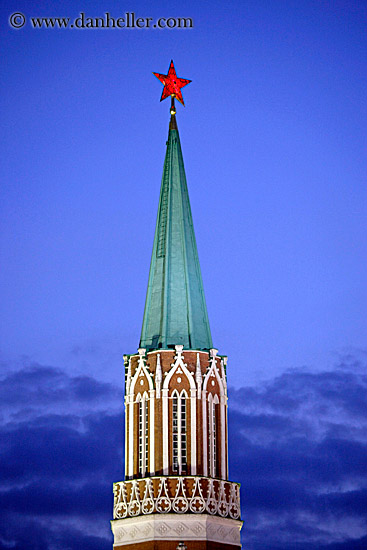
176,494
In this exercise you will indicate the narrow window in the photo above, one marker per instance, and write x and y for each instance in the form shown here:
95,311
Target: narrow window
183,435
143,437
179,438
140,405
212,443
146,438
175,434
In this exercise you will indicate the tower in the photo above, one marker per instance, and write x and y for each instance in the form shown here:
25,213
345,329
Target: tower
176,486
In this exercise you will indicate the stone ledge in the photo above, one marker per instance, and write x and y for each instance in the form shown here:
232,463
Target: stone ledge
187,527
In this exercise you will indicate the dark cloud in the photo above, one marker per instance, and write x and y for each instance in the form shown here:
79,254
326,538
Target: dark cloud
62,447
32,534
26,392
297,445
50,449
38,385
350,544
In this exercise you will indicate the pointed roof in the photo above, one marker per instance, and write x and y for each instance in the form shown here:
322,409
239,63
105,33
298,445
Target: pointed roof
175,308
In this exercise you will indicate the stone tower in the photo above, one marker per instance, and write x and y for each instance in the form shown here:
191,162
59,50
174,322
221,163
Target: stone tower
176,486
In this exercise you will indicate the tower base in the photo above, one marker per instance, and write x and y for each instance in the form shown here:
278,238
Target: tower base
165,531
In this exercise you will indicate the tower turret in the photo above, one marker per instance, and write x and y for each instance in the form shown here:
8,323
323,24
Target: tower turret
176,484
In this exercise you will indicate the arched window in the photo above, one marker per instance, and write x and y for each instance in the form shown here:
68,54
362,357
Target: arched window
143,439
179,432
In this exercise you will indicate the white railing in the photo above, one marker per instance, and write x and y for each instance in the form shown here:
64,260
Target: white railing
199,495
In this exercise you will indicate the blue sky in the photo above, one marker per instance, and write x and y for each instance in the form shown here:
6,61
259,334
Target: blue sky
274,143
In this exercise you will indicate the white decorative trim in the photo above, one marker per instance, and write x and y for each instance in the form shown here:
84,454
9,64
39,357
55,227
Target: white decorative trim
223,375
148,500
141,368
171,526
177,493
198,375
127,390
212,501
179,363
128,377
223,421
213,371
163,502
158,376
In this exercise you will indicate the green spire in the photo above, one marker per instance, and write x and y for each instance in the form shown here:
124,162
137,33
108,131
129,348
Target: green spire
175,308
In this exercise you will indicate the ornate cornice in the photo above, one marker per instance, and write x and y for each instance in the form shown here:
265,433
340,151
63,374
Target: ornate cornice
191,527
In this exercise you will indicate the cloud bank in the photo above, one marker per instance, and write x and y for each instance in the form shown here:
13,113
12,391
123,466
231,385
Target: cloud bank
298,445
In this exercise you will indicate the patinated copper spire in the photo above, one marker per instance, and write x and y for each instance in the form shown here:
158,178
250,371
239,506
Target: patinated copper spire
175,310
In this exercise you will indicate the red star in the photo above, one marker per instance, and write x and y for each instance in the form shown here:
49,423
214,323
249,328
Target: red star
172,84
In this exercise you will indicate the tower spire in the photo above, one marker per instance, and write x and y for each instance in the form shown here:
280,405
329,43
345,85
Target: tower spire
176,448
175,309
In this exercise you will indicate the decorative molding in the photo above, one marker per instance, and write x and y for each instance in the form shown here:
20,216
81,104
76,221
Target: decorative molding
178,364
128,377
140,371
158,376
198,375
223,375
190,527
178,494
213,371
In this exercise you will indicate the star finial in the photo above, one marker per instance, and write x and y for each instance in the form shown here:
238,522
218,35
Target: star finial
172,84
